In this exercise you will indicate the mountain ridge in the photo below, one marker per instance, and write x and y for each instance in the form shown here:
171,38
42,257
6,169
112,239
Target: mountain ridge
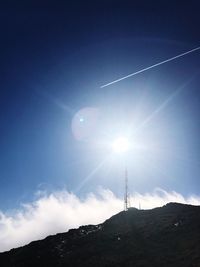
167,236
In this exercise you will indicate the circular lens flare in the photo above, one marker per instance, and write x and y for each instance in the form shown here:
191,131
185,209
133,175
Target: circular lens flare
120,145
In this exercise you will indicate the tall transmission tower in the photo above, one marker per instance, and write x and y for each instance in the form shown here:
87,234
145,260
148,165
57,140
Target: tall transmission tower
126,193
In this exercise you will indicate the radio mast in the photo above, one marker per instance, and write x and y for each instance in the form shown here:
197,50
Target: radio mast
126,193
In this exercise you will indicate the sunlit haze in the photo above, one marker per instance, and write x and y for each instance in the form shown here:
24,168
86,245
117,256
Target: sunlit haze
120,145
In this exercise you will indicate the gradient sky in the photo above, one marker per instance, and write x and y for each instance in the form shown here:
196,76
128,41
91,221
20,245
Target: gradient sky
57,123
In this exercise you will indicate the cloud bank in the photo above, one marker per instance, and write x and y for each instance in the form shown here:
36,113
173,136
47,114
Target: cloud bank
59,211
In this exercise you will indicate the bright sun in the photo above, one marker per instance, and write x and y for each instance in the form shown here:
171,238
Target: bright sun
120,145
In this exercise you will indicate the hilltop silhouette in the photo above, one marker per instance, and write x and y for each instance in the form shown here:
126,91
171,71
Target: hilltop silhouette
166,236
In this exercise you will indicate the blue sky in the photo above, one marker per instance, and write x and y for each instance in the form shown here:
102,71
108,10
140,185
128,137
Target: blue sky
54,60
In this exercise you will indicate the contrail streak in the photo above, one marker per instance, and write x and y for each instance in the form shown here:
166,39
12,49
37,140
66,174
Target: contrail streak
150,67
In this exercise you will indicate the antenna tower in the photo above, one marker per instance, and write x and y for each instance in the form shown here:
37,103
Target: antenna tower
126,193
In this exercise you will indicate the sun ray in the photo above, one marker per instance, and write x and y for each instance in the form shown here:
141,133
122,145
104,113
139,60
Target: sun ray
92,173
164,104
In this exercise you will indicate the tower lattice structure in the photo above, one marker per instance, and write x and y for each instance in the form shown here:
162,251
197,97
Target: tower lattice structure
126,193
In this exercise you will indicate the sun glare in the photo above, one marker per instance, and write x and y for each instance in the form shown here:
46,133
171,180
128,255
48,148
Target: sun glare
120,145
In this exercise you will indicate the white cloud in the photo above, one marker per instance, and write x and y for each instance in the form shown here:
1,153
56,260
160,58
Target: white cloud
61,210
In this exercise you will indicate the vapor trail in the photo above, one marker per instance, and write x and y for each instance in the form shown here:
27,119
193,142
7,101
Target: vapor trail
150,67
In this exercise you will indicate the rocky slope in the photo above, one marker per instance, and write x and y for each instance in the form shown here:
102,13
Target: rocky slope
167,236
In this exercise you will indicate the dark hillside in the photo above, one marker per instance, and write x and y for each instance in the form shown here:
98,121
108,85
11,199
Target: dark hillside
167,236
